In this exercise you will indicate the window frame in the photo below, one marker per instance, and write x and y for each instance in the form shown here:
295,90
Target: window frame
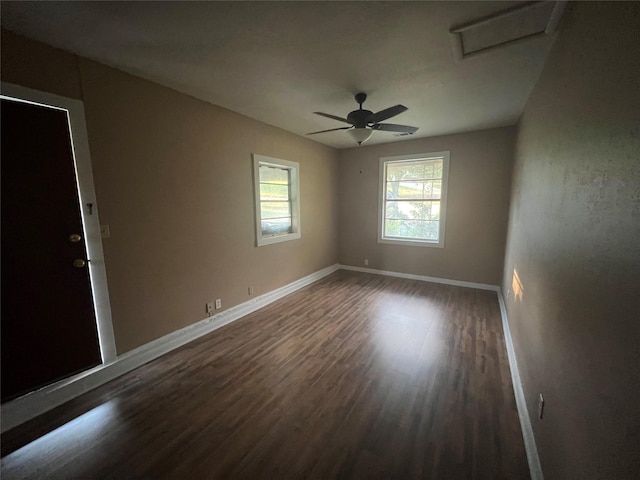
294,199
443,198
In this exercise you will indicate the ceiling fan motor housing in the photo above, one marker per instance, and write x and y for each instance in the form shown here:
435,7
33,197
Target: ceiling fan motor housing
359,118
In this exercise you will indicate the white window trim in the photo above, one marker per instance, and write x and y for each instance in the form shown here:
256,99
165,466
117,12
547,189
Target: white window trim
294,168
443,199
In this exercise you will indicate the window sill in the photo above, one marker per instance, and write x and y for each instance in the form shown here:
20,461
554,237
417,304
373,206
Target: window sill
412,243
270,240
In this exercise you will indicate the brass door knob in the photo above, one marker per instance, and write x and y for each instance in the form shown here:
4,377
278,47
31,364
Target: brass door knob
79,263
74,238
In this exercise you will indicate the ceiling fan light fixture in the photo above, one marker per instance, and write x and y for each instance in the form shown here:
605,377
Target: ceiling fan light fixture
360,135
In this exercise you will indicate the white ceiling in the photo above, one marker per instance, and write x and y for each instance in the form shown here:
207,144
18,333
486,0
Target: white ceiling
278,62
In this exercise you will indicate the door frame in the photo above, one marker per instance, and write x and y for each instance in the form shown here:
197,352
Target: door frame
90,222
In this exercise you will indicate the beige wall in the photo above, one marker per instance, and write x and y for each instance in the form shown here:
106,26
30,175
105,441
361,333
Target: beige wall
39,66
173,179
574,240
477,207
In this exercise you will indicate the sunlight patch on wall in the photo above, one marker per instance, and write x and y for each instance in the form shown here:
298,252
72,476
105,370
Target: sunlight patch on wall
516,286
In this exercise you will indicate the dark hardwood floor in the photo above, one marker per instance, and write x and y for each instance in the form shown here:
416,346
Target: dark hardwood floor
356,376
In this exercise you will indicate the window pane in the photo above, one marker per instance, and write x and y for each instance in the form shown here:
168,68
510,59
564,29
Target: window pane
274,175
392,190
437,189
416,229
410,190
435,210
274,209
276,226
269,191
419,210
437,169
429,171
415,170
405,171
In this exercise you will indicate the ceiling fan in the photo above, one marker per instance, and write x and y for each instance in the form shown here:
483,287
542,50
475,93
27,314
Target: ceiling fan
365,122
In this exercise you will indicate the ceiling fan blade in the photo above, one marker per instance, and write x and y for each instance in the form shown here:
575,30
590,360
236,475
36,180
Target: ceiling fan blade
330,130
390,127
387,113
328,115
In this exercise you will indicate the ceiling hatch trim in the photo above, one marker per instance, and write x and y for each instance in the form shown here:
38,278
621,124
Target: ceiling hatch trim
517,24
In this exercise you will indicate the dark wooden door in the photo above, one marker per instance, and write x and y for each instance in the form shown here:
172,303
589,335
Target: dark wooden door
49,329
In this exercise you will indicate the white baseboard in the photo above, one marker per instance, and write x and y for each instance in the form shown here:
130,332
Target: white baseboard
535,469
36,403
446,281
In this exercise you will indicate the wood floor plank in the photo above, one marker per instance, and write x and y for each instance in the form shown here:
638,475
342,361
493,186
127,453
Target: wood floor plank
355,376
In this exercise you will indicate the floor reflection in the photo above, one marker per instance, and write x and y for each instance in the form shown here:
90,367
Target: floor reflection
71,438
405,334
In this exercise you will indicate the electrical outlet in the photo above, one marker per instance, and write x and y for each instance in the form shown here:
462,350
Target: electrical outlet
366,262
218,303
210,308
540,406
250,291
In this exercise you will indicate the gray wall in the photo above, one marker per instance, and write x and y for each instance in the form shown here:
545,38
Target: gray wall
574,241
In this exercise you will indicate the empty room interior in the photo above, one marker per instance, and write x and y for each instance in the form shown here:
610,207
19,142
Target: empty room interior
320,240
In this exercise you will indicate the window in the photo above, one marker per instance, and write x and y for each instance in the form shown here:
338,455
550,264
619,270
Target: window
277,200
413,193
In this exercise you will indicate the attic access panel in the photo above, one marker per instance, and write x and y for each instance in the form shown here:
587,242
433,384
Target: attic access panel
509,26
